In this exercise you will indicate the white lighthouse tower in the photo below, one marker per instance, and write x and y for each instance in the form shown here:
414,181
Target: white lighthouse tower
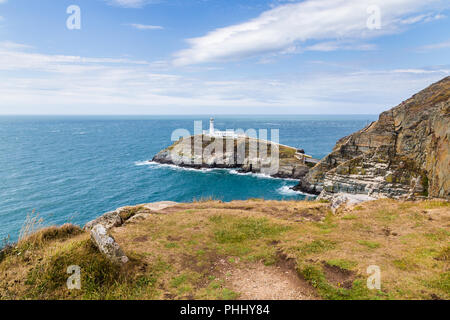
212,132
211,126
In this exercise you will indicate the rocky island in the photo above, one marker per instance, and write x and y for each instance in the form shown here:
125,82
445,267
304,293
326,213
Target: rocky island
245,154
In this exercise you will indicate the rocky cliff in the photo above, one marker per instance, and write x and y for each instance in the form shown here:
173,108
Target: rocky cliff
406,153
245,154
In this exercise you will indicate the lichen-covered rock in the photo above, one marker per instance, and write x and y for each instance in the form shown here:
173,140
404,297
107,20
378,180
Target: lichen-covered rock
109,220
118,217
147,209
107,245
158,206
99,227
405,154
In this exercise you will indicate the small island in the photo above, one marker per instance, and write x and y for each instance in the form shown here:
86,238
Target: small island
232,150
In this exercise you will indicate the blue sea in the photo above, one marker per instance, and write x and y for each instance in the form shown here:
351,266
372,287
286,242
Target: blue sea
73,169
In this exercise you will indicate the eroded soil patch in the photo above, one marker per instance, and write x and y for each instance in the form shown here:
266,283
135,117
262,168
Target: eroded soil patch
255,281
338,276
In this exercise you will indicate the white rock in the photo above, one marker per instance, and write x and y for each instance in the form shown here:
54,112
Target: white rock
107,245
108,220
339,199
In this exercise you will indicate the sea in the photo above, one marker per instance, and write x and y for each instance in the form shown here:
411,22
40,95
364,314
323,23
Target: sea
72,169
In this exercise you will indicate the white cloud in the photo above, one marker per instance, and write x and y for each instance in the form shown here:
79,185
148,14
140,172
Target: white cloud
13,56
423,18
131,3
38,83
435,46
296,24
145,26
336,45
422,71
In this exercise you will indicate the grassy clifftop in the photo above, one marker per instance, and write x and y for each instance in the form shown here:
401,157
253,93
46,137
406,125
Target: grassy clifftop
251,249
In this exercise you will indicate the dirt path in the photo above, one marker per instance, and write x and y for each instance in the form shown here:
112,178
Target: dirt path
259,282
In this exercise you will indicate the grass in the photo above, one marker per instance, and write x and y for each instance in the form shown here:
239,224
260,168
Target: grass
31,225
444,255
369,244
441,282
433,204
316,246
342,264
191,250
316,277
45,235
233,230
350,217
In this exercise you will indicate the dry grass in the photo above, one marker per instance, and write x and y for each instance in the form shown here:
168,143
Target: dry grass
45,235
32,224
186,252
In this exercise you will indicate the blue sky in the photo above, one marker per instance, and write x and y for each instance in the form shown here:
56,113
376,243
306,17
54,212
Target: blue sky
219,57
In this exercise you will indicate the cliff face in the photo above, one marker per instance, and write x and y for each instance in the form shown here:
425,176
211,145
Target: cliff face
405,153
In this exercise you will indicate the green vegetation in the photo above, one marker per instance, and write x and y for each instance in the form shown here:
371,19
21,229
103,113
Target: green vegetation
316,246
232,230
369,244
206,249
358,291
342,264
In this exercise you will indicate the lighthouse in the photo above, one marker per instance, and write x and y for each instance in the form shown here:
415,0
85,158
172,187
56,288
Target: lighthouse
212,132
211,126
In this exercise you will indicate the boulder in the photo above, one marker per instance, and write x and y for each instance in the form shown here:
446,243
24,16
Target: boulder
118,217
108,220
107,245
157,206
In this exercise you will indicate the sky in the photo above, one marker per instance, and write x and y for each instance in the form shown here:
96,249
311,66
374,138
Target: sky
168,57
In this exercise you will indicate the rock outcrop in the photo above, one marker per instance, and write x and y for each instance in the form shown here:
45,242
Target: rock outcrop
100,227
107,245
243,154
406,153
118,217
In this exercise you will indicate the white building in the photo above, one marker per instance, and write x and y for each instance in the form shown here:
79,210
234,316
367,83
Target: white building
212,132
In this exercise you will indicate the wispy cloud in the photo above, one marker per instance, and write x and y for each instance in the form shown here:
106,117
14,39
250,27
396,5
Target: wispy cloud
145,26
336,45
38,83
130,3
435,46
423,71
423,18
299,24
